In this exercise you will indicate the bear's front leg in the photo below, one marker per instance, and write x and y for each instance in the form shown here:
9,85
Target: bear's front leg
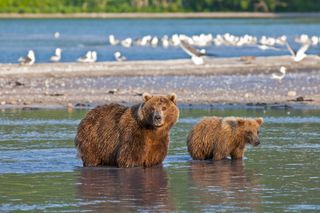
237,153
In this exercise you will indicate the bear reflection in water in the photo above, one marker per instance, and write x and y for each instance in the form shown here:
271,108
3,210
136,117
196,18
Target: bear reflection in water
224,183
108,189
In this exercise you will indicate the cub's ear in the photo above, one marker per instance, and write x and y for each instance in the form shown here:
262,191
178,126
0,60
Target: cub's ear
146,96
259,121
241,121
173,97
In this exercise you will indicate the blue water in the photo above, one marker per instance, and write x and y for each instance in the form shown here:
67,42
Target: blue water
80,35
39,170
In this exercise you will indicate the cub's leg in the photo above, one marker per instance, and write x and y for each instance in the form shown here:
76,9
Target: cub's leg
237,153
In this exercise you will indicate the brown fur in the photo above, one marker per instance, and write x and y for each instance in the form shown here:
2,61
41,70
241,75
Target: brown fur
122,136
216,138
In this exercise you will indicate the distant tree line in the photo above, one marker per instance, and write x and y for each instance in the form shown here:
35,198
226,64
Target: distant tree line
72,6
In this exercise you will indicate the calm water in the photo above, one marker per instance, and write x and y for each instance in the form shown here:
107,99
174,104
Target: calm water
39,170
80,35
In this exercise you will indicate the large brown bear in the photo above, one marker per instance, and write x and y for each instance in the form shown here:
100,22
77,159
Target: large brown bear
217,138
121,136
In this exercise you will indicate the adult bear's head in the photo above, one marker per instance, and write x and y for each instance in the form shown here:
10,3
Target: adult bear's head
158,111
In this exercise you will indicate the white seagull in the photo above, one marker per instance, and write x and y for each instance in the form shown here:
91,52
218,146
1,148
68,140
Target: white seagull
127,42
154,41
165,41
196,55
86,58
56,35
298,55
29,59
94,56
119,57
113,41
281,76
57,56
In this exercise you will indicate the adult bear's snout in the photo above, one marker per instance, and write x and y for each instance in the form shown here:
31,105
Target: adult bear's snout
157,119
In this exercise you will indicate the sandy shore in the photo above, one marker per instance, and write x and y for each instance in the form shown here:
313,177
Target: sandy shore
245,81
163,15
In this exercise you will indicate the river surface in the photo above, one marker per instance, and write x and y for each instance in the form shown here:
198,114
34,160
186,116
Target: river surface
39,170
77,36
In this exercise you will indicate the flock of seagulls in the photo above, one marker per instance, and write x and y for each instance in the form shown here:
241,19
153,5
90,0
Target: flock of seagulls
265,43
204,40
189,45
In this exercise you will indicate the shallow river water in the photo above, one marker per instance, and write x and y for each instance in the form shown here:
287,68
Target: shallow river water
39,170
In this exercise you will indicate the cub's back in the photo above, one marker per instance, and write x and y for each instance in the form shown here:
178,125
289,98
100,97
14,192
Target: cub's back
199,138
205,126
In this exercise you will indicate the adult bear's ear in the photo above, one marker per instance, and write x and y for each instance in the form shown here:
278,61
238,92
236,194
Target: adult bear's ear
173,97
259,121
146,96
241,121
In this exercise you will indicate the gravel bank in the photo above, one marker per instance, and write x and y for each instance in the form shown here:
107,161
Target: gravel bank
220,80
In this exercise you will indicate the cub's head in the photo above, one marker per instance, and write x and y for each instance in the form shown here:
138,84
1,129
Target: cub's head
250,129
158,111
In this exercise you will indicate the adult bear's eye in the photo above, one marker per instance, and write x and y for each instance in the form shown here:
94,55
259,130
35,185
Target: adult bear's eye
164,108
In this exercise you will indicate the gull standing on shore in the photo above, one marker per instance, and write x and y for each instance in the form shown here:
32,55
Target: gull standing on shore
29,59
57,56
298,55
119,57
86,58
281,76
94,56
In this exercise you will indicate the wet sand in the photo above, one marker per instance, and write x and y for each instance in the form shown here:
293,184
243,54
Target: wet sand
243,81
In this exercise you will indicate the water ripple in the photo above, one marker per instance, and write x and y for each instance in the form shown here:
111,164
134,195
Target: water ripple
36,122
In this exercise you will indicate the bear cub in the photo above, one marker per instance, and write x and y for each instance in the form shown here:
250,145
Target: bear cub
217,138
116,135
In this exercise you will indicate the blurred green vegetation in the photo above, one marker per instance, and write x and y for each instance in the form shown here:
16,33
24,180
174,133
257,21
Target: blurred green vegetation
75,6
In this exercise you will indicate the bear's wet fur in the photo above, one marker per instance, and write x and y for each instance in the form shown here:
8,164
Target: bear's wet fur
116,135
217,138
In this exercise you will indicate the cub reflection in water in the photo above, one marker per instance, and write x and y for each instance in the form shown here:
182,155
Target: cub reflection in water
123,190
225,182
